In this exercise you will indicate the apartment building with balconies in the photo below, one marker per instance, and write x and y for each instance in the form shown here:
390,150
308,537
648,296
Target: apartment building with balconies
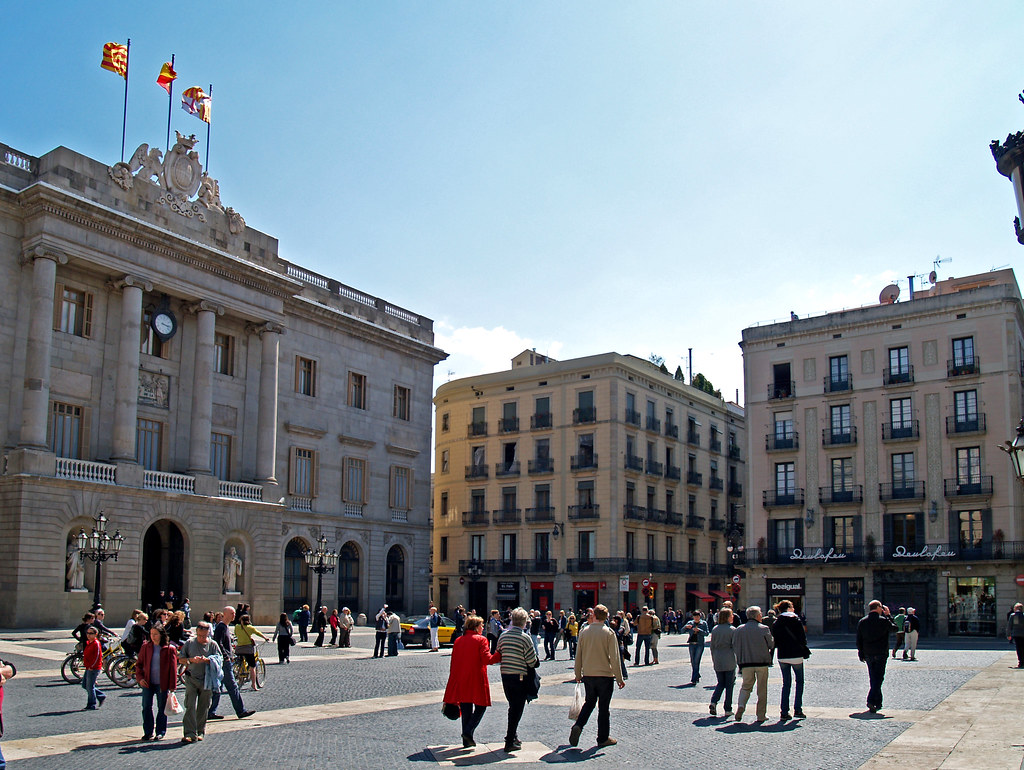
874,468
557,481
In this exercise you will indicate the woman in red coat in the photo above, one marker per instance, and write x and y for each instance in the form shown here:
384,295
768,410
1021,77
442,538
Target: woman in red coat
467,678
156,671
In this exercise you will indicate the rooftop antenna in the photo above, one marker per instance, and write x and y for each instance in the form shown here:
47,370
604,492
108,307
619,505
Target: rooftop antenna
933,276
450,373
889,294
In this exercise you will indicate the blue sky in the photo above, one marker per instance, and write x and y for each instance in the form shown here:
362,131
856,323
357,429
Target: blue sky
577,177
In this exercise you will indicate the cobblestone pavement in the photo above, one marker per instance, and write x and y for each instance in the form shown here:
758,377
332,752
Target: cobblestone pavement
342,708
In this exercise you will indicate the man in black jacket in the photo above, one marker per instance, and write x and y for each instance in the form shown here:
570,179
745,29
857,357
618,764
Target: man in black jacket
222,636
873,648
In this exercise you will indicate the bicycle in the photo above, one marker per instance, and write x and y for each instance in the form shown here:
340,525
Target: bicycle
74,664
241,669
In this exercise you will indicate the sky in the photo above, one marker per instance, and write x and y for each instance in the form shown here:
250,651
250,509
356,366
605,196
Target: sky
575,177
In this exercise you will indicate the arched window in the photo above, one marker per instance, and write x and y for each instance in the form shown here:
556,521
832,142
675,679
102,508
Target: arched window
394,590
296,576
348,577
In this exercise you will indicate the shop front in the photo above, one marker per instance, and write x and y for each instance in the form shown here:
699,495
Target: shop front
508,595
585,595
777,589
542,596
669,596
972,606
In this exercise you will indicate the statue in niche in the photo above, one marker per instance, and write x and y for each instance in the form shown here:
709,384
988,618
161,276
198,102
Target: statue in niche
232,570
75,574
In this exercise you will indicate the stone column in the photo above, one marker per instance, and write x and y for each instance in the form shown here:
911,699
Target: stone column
266,427
126,394
36,402
202,387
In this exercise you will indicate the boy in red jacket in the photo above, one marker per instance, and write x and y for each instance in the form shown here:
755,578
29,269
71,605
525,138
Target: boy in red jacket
93,663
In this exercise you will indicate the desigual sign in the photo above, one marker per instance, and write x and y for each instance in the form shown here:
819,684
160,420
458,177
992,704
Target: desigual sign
786,587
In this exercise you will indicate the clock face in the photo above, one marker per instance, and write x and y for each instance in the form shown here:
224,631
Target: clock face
163,324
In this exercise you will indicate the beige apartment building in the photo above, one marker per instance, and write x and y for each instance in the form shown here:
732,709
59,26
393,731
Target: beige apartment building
874,469
561,484
224,408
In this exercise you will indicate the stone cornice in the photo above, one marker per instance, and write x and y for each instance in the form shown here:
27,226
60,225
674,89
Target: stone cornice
401,450
303,430
356,441
129,280
201,305
43,250
264,328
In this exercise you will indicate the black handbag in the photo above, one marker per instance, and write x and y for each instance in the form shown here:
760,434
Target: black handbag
531,684
451,710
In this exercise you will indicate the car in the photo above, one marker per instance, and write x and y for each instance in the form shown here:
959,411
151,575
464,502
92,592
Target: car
415,630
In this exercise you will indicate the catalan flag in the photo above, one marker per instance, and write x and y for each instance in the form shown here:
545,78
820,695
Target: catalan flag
166,77
196,102
115,59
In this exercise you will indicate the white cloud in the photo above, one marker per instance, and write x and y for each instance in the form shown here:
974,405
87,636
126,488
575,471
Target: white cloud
474,350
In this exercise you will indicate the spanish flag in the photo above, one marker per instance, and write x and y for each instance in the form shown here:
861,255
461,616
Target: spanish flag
196,102
115,59
166,77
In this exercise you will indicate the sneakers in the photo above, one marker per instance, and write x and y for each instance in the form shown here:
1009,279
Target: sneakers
739,714
158,737
607,742
574,735
799,714
713,709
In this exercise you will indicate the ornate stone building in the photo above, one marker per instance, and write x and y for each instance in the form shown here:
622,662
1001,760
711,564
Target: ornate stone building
222,407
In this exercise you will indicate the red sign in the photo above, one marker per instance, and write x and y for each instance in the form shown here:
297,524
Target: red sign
1020,580
670,586
645,582
542,586
585,586
632,586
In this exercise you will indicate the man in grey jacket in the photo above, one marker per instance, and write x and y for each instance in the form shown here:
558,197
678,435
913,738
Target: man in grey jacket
754,647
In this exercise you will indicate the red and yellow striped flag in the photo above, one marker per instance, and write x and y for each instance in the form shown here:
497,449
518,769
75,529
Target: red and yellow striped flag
115,59
166,77
195,101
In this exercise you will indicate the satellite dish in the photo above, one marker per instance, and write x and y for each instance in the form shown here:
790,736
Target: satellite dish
889,294
932,277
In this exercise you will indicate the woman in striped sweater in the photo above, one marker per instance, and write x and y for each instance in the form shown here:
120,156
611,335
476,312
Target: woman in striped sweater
518,659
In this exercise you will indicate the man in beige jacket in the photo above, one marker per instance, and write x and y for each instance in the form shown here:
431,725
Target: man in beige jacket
597,664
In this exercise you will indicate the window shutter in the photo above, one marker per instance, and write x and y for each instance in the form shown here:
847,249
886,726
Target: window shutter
830,532
292,468
408,491
986,526
394,402
857,531
87,315
919,531
85,434
58,301
391,487
314,474
887,543
364,493
799,539
298,369
953,518
346,494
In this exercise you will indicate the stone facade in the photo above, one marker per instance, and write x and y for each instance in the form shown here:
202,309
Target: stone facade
555,479
161,363
875,470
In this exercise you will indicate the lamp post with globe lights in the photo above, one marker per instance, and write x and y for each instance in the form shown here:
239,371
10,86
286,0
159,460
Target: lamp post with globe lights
99,546
322,562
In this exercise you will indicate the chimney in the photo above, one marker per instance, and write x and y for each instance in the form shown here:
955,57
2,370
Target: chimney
910,279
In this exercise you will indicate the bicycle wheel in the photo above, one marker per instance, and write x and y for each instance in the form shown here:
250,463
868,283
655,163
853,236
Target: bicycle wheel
261,672
182,668
241,672
122,672
71,668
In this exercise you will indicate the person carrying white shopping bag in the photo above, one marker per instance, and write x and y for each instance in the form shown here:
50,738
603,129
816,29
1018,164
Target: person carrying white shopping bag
579,697
597,665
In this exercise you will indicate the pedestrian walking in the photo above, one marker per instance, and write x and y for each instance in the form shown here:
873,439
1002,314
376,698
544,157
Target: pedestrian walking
93,661
899,621
345,625
434,624
598,666
912,629
572,629
562,622
655,636
304,617
245,636
643,637
494,629
156,671
697,630
791,650
723,657
320,626
200,652
285,640
222,636
754,647
334,622
394,632
380,625
1015,631
459,616
550,628
873,648
518,663
7,671
467,678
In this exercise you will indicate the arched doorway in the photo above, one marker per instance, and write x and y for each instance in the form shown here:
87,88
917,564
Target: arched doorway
163,562
394,584
348,577
296,576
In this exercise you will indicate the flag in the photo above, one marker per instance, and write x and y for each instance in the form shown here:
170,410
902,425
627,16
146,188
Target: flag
196,102
115,59
166,77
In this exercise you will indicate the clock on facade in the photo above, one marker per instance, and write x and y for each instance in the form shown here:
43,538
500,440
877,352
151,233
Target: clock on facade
164,324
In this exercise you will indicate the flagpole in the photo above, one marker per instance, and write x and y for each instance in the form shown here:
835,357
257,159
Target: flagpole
124,119
208,130
170,101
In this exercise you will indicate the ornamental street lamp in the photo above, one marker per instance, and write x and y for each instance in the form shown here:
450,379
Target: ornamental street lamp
1015,450
99,546
322,561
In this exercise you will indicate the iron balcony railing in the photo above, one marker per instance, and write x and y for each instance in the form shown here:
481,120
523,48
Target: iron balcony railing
903,375
582,461
507,516
584,414
839,436
543,420
694,479
715,484
979,486
544,513
639,566
715,446
634,463
508,425
584,512
973,423
506,469
695,522
671,430
633,417
782,498
960,367
838,383
908,490
656,516
543,565
851,495
673,473
477,429
634,513
734,452
716,525
674,518
735,489
653,424
900,431
778,390
654,468
541,465
477,472
475,518
780,442
693,437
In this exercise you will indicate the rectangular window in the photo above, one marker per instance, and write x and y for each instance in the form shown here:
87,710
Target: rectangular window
840,422
542,450
444,505
542,405
903,470
151,345
302,472
403,399
542,546
220,456
901,414
971,529
965,409
357,391
785,478
839,369
477,501
478,550
74,311
445,460
963,352
509,498
784,435
401,487
587,546
444,549
305,376
354,481
224,354
542,497
842,476
585,494
66,430
630,545
968,465
670,548
446,422
899,361
843,533
149,443
785,534
508,548
907,531
650,547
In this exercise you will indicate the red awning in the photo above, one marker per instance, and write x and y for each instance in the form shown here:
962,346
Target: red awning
721,594
702,596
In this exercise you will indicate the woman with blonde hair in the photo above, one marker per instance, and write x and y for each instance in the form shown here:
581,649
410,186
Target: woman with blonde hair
244,634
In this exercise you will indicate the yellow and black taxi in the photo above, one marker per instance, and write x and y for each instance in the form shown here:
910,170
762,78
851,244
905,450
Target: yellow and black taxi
416,630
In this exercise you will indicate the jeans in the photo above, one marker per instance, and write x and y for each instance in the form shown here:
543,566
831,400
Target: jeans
96,695
549,645
536,644
471,716
515,694
334,635
876,674
303,634
599,691
696,653
641,640
197,706
572,647
148,694
726,683
232,688
752,674
788,670
378,644
392,645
